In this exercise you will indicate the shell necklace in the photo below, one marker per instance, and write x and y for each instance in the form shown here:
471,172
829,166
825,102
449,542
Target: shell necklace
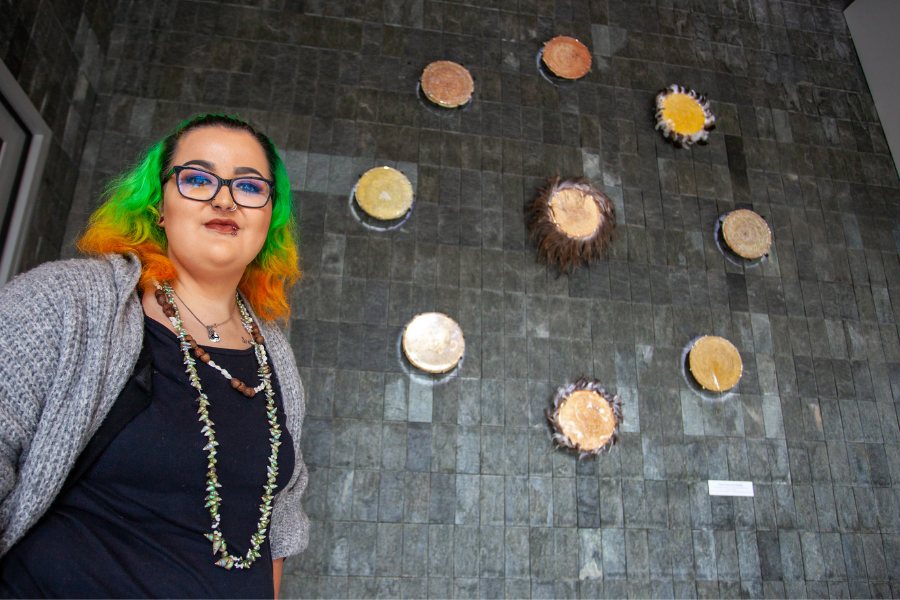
165,297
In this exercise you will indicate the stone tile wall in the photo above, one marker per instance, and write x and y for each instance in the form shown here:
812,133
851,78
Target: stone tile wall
448,486
55,49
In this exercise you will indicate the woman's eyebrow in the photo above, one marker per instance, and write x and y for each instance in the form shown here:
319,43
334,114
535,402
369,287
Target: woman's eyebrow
246,170
211,166
202,163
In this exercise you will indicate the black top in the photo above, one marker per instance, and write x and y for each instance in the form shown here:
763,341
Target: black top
133,524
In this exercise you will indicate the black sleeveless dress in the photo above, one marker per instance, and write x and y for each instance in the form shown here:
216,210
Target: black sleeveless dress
133,526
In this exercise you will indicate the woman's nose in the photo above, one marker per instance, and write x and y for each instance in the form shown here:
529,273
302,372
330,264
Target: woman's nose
223,199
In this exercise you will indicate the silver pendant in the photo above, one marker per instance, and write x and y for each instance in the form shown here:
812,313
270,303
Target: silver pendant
213,336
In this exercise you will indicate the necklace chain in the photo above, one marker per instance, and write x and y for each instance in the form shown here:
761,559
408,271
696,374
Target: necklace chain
211,332
213,500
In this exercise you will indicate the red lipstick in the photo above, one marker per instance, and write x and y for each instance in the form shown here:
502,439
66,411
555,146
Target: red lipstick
222,226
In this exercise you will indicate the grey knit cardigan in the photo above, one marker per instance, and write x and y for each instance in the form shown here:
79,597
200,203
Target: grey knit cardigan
70,335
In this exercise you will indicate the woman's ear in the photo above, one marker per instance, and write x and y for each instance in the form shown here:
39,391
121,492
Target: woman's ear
161,218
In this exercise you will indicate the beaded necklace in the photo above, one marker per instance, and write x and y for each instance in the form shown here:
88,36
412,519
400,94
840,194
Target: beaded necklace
165,298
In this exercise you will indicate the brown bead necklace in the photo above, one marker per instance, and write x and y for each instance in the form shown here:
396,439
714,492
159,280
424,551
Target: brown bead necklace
203,356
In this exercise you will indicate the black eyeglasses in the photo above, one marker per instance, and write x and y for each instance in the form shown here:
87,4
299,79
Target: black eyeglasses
200,185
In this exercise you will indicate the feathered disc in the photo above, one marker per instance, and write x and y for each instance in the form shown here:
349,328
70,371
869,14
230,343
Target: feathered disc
571,222
683,116
585,418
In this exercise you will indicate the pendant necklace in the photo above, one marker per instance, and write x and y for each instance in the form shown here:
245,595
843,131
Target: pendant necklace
210,329
165,296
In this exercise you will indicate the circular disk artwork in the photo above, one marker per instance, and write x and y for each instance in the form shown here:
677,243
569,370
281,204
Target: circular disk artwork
585,418
566,57
747,233
715,363
384,193
447,83
572,222
433,342
683,116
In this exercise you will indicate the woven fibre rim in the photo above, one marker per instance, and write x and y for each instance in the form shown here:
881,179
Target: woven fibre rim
743,221
437,94
412,354
575,61
704,363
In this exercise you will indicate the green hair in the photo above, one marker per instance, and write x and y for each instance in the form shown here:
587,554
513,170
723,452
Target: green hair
127,221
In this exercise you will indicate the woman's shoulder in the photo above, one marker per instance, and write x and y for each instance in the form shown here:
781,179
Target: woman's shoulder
63,281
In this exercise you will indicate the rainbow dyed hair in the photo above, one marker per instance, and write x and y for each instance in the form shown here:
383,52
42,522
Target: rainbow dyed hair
127,222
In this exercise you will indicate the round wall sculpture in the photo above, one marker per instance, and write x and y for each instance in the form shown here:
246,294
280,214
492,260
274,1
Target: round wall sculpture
715,363
747,233
585,418
384,193
433,342
566,57
572,222
447,84
683,116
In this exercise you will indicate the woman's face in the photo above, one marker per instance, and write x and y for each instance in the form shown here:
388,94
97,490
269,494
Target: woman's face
207,237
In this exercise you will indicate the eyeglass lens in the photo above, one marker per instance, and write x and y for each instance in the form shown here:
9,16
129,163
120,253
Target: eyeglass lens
200,185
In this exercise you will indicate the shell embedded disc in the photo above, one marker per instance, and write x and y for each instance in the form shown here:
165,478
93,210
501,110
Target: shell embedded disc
747,233
433,342
683,115
571,222
715,363
384,193
447,83
585,418
566,57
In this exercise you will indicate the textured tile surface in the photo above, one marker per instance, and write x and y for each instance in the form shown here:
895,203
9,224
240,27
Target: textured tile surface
447,486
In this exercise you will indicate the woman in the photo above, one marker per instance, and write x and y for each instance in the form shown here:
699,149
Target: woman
159,329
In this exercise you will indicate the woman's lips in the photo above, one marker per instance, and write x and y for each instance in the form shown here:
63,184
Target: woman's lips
222,226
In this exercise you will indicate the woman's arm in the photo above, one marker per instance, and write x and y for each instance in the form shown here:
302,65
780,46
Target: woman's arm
276,573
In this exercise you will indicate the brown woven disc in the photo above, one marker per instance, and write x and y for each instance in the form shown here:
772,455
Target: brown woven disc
747,233
433,342
384,193
715,363
447,83
567,57
575,213
587,419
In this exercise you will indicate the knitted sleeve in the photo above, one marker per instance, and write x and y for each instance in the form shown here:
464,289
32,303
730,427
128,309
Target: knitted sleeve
31,323
289,530
70,333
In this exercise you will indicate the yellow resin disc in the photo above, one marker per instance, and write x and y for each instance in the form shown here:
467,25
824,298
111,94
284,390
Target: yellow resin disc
384,193
587,419
433,342
715,363
575,213
683,113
